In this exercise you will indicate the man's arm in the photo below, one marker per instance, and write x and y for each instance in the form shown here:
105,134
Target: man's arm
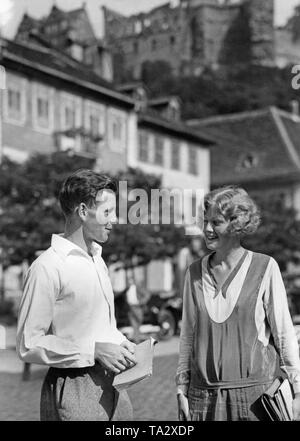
41,290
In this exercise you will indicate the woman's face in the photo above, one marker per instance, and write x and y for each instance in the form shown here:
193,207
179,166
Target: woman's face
215,230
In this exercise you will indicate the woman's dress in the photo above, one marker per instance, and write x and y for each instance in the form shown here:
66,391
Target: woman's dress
231,337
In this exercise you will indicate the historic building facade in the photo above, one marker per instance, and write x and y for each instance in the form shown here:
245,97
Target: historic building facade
52,102
70,32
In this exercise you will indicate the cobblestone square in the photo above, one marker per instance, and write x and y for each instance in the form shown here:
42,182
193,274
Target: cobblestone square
153,399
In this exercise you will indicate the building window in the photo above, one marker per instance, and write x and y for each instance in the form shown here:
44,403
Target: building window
175,158
159,151
69,118
15,100
43,108
70,112
192,167
153,45
174,111
94,119
94,125
42,115
117,130
143,147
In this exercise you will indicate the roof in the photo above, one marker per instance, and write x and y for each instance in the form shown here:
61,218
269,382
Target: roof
163,100
28,23
253,147
150,119
51,62
131,86
77,20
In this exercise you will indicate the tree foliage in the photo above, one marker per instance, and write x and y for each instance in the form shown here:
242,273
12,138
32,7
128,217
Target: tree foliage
279,232
224,91
144,241
30,211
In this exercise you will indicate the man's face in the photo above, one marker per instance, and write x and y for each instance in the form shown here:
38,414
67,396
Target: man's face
100,218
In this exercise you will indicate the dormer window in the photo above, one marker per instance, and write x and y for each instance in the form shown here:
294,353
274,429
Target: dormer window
174,110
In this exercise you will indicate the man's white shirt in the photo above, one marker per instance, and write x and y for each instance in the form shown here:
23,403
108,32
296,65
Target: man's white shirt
66,307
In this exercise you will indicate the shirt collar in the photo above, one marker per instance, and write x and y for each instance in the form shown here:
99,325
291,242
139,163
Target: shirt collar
64,247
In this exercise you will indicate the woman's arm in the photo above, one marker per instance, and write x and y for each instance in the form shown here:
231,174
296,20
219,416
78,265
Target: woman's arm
283,332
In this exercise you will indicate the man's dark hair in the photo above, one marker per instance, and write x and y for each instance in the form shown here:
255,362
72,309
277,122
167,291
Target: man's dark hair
83,186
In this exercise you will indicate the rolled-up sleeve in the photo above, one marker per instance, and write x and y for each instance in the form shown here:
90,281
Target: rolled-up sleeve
186,336
282,329
35,342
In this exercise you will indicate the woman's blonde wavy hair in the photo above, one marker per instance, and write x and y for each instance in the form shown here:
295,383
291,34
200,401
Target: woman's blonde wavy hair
236,206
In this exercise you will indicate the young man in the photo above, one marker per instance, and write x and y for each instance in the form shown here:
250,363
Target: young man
66,317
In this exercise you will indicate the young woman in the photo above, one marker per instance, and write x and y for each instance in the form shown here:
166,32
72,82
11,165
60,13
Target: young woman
235,320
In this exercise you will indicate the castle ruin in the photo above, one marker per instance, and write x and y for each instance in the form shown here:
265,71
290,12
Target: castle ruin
193,35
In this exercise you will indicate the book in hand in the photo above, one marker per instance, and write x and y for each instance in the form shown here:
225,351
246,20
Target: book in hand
277,400
143,368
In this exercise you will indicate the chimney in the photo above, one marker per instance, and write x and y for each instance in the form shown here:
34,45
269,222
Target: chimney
295,110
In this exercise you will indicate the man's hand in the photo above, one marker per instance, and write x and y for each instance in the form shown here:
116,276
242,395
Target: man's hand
183,407
130,346
115,358
296,407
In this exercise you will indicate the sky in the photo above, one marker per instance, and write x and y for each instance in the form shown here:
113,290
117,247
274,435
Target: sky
39,8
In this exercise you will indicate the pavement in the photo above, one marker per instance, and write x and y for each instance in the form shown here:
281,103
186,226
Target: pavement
153,399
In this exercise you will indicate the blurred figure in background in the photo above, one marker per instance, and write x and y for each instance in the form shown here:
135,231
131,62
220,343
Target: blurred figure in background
136,297
195,249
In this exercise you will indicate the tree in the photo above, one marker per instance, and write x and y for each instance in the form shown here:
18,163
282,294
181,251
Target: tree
279,232
30,211
228,90
145,241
